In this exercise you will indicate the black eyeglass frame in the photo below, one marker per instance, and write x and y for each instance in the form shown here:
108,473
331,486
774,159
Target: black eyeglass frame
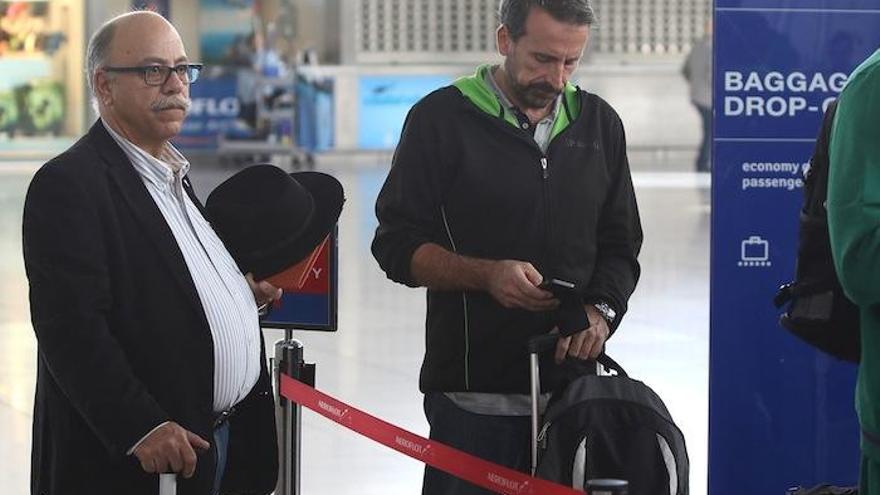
191,70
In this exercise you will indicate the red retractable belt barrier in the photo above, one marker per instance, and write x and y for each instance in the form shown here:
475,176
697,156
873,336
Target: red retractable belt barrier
460,464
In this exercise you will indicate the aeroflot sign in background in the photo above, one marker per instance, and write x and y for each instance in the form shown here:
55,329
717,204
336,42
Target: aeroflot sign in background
781,414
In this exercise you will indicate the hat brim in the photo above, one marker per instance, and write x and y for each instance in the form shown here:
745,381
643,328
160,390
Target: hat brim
328,195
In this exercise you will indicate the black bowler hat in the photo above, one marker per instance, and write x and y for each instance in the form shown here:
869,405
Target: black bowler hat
270,220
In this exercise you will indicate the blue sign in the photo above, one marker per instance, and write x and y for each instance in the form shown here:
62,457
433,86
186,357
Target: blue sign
214,111
781,413
384,102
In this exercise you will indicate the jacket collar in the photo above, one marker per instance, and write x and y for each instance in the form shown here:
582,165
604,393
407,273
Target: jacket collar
144,209
478,92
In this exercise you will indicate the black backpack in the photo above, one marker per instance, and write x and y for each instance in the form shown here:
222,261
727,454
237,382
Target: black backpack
818,310
612,427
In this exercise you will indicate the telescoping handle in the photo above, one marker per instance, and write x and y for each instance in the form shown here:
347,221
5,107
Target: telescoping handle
542,343
545,343
168,484
536,346
534,388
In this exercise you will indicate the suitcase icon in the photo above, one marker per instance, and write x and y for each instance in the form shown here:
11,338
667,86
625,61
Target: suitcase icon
755,249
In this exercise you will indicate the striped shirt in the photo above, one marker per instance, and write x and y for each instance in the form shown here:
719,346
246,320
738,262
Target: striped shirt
224,293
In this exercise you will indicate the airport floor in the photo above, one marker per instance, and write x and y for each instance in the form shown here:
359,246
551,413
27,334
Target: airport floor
373,361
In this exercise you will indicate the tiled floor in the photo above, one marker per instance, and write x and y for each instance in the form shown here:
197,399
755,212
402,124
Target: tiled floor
372,362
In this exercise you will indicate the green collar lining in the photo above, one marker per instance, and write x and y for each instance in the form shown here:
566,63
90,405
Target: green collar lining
475,89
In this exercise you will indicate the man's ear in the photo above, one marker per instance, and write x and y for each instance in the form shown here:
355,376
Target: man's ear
102,82
502,38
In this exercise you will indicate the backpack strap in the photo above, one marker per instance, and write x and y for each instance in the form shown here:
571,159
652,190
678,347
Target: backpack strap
610,364
792,290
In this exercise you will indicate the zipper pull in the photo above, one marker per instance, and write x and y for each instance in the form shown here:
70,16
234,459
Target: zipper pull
544,172
542,436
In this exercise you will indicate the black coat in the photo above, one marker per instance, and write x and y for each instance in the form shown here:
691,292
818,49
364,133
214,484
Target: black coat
123,340
469,181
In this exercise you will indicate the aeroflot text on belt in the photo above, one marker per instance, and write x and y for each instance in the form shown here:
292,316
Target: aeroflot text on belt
778,94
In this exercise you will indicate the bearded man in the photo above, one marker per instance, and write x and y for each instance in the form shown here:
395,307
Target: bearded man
500,181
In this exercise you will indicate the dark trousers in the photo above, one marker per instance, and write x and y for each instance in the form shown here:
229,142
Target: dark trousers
500,439
704,158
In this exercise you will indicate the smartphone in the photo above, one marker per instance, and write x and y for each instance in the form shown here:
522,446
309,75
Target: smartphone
558,286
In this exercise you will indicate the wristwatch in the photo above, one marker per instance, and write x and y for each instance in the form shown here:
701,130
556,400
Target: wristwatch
606,311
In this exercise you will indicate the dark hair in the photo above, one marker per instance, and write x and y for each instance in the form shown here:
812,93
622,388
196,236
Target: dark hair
513,13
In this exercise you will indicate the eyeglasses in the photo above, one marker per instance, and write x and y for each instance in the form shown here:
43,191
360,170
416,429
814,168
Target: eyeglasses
157,75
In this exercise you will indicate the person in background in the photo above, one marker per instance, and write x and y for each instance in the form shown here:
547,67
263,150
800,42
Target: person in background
500,181
697,70
151,357
853,226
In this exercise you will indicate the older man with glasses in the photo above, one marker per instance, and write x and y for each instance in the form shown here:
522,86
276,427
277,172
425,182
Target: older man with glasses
150,352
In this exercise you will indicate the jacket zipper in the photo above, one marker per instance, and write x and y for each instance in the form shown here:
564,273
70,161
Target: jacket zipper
545,191
548,228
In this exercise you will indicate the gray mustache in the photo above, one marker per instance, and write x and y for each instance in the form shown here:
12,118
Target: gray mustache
173,102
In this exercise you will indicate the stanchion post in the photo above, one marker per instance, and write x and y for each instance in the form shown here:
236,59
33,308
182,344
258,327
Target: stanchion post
288,360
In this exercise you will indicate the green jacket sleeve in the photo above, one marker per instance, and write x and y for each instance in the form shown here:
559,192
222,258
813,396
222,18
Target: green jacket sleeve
854,187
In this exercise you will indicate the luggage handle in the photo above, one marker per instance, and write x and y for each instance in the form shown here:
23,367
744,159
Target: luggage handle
167,483
540,344
537,345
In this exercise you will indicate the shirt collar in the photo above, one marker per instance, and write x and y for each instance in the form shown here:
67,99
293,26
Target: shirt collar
161,171
505,101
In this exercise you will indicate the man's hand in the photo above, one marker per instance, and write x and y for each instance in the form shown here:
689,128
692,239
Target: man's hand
170,448
586,344
264,292
514,284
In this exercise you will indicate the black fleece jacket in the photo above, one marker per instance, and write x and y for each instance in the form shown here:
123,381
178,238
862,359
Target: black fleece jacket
474,184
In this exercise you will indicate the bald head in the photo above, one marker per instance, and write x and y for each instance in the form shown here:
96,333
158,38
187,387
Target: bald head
125,56
125,34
